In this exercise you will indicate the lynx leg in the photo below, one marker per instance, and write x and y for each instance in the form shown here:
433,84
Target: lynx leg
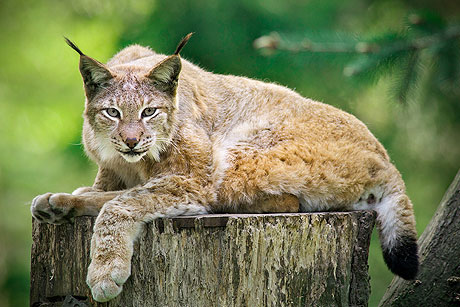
120,221
278,203
268,204
260,181
59,208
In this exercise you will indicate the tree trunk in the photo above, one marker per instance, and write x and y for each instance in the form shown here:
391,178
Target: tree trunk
317,259
438,282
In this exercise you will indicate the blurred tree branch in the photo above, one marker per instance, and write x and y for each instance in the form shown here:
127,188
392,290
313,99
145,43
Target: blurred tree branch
427,35
274,41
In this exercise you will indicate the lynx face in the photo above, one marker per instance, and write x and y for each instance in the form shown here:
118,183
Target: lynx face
129,113
128,125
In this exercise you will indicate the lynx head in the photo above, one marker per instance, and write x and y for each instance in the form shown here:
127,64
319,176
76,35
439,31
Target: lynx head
129,111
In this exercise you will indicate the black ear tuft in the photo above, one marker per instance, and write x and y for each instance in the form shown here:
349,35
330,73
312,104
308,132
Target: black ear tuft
73,46
402,258
182,43
95,74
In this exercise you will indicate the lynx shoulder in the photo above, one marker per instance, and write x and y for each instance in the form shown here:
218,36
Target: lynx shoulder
173,139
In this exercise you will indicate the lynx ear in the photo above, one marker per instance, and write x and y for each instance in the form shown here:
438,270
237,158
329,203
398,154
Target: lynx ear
95,74
166,73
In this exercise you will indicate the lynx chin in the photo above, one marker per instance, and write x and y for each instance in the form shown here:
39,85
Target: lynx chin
173,139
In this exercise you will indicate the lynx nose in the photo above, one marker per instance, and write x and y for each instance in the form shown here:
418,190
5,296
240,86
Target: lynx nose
131,142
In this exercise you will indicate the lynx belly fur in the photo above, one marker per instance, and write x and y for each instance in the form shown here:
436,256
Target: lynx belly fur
172,139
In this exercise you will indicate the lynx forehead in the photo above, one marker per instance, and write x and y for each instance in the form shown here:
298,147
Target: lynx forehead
172,139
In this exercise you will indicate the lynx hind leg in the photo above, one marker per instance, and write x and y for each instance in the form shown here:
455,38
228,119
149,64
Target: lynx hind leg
287,203
256,182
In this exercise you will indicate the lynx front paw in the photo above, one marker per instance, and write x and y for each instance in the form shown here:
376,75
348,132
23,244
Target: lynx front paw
52,208
106,279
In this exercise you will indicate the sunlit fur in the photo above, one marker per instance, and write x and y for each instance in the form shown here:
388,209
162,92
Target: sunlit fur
219,144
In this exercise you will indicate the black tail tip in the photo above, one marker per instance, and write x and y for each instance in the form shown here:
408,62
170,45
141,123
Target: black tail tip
402,258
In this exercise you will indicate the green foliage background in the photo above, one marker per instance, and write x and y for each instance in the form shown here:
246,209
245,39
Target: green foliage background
41,95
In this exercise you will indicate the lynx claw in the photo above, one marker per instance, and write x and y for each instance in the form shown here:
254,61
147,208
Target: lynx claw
106,281
47,208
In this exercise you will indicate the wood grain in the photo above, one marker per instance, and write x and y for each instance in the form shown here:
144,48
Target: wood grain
299,259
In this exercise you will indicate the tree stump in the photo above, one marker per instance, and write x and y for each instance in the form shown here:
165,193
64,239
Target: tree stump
299,259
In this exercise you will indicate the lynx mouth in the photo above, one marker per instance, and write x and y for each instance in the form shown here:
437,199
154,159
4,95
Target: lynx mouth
132,156
133,153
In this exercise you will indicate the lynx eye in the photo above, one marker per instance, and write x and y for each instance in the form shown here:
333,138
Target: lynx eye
112,112
147,112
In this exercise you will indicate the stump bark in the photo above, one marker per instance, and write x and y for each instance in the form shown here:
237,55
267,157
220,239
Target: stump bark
438,281
314,259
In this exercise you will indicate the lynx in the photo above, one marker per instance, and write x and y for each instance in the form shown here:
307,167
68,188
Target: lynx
172,139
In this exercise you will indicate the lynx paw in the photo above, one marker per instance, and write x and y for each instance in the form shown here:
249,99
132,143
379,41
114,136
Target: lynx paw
106,279
52,208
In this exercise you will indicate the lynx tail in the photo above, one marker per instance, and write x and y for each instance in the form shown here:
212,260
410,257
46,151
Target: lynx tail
396,225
